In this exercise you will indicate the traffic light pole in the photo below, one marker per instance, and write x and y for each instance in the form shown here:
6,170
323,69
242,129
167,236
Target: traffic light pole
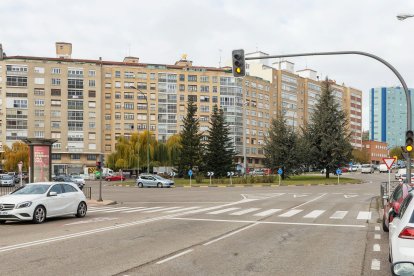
100,178
400,78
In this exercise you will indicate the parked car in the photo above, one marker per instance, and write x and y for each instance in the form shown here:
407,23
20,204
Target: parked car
78,180
367,168
401,236
353,168
396,198
344,169
152,180
403,178
6,180
115,178
42,200
383,168
399,173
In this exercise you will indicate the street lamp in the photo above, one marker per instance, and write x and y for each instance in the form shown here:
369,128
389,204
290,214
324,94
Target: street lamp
148,127
404,16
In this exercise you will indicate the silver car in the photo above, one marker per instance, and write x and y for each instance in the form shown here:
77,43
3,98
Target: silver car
151,180
6,180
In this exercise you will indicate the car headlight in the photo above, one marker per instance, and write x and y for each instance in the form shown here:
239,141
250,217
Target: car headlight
24,204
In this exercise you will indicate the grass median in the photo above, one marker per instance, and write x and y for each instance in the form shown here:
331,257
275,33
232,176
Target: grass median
256,181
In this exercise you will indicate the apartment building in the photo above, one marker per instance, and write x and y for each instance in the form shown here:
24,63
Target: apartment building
388,115
376,151
296,94
87,104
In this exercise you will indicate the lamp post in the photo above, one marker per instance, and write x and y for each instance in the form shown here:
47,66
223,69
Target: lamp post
148,128
404,16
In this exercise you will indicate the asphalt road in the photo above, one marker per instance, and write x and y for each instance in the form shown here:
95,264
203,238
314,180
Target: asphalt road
310,230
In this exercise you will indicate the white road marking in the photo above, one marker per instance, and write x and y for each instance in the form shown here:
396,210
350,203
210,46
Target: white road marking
242,212
230,234
117,210
364,215
175,256
377,228
377,236
91,221
163,209
316,198
376,247
375,264
267,212
183,209
269,222
139,210
350,196
290,213
223,211
300,195
314,214
339,215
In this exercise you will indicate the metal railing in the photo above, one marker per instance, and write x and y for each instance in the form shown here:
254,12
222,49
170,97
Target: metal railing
88,192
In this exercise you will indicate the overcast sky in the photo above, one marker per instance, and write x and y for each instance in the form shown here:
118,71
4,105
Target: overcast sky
161,31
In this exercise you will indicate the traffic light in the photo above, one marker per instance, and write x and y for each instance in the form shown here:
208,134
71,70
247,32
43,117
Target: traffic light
98,165
239,64
409,140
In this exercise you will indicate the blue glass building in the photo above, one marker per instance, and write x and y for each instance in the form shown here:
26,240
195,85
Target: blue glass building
388,115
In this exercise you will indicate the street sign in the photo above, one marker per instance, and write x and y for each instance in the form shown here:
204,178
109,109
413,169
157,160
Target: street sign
228,173
279,171
338,171
172,174
388,162
190,173
395,157
210,173
232,173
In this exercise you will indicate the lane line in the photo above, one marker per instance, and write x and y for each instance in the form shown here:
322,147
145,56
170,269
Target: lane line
230,234
377,236
315,214
316,198
270,222
223,211
242,212
376,247
339,215
290,213
364,215
163,209
268,212
175,256
183,209
377,228
139,210
375,264
117,210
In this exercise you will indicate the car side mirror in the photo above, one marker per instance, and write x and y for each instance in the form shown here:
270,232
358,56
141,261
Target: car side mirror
403,268
52,193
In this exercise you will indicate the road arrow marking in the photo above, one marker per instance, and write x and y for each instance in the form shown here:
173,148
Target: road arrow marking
348,196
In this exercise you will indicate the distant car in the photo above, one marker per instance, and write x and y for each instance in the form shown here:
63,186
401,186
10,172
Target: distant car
78,180
115,178
367,168
7,180
344,169
152,180
401,236
399,173
383,168
353,168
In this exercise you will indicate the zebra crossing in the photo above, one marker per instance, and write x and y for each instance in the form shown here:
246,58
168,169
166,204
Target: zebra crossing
238,211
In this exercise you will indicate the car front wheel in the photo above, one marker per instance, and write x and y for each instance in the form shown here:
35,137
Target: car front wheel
159,185
140,185
82,208
39,215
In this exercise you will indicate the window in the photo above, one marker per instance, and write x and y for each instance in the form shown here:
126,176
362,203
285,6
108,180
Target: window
75,115
78,105
39,113
56,135
92,136
68,188
91,157
39,102
39,70
75,83
192,78
129,116
39,134
75,94
91,73
192,88
75,156
92,115
129,95
16,81
39,123
55,124
39,92
55,82
75,126
117,74
204,88
204,79
56,71
92,104
92,125
55,103
129,106
91,93
56,156
92,83
55,92
55,113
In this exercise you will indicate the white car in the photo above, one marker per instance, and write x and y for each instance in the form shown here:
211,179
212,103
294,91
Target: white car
401,231
399,173
38,201
78,180
6,180
367,168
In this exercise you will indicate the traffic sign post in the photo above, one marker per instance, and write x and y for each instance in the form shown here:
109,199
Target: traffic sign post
338,172
230,174
190,174
388,162
279,172
172,174
210,174
20,166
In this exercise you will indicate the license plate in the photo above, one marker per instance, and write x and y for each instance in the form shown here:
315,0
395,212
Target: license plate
4,213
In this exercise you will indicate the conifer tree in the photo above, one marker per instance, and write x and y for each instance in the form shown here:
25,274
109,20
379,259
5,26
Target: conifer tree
219,149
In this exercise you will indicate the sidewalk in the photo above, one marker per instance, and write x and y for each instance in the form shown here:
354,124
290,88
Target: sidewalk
100,203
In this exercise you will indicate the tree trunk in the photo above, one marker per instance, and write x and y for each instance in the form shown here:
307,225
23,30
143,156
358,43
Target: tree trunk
327,172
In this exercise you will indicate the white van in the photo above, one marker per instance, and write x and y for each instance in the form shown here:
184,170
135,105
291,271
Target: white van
399,173
383,168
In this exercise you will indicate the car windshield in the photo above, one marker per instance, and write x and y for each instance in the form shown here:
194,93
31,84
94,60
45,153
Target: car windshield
159,177
76,177
34,189
7,177
366,166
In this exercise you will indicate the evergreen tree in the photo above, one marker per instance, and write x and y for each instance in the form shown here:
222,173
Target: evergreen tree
280,147
219,149
327,133
191,148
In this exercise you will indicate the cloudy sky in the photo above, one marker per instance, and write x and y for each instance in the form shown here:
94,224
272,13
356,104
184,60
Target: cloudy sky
161,31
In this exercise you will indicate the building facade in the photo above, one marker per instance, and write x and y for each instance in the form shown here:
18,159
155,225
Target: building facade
388,115
376,151
87,104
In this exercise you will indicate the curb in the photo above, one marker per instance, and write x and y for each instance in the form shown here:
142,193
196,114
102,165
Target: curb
100,203
246,185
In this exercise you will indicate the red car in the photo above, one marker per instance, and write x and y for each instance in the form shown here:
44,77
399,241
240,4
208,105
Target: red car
115,178
393,204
